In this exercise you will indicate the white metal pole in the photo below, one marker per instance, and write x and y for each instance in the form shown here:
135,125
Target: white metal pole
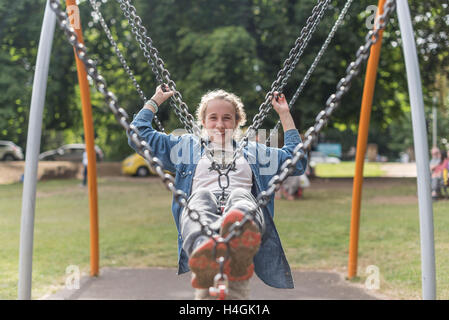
421,151
32,153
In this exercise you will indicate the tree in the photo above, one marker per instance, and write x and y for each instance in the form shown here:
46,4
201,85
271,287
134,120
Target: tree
238,45
19,40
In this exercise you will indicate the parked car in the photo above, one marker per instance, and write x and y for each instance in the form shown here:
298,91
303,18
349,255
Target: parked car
320,157
136,165
9,151
69,152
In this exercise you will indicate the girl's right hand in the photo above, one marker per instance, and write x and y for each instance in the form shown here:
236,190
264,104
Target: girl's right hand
160,95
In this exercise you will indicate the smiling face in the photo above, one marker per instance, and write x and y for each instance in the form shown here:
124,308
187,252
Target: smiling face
220,120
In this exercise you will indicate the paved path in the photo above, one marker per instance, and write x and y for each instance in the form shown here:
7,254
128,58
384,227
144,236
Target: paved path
11,171
164,284
399,170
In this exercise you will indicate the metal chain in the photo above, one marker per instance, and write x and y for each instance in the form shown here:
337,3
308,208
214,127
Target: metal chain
309,34
156,62
146,44
287,167
289,65
331,104
284,74
122,117
320,54
282,77
122,59
186,118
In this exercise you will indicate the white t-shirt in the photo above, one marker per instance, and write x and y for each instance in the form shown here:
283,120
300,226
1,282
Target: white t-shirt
206,177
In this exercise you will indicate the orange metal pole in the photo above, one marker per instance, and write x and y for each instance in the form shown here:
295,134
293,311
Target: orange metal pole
75,20
362,139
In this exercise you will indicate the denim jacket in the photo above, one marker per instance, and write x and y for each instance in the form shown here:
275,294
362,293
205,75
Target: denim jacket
181,154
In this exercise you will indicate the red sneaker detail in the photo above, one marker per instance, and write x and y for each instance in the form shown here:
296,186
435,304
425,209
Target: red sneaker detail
203,263
242,248
239,265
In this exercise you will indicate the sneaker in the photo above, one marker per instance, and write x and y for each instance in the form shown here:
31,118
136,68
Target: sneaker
239,266
242,248
203,263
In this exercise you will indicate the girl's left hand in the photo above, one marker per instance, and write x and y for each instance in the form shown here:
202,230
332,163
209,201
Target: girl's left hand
160,95
280,105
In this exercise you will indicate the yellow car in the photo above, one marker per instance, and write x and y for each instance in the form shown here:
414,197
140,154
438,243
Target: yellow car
136,165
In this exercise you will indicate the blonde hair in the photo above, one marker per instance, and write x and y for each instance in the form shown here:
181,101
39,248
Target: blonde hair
240,115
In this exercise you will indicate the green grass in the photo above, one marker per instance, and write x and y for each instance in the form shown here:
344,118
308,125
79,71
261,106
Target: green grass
346,170
316,236
137,230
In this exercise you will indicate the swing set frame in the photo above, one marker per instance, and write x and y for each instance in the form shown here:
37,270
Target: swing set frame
419,133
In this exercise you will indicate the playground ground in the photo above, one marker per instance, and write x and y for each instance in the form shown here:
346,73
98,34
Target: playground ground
137,232
164,284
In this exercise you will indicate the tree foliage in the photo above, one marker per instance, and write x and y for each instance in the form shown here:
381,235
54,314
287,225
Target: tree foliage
237,45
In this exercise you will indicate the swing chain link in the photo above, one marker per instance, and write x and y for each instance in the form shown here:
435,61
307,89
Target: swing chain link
183,114
186,118
284,74
282,77
95,6
313,66
287,167
308,35
332,103
289,64
122,117
220,287
157,65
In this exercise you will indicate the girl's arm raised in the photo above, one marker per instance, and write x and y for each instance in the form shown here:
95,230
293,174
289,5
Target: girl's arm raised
281,107
160,143
159,97
291,134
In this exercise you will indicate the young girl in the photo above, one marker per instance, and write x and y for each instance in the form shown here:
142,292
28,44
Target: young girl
258,247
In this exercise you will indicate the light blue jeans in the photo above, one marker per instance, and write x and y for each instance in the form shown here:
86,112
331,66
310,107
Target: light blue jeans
207,205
